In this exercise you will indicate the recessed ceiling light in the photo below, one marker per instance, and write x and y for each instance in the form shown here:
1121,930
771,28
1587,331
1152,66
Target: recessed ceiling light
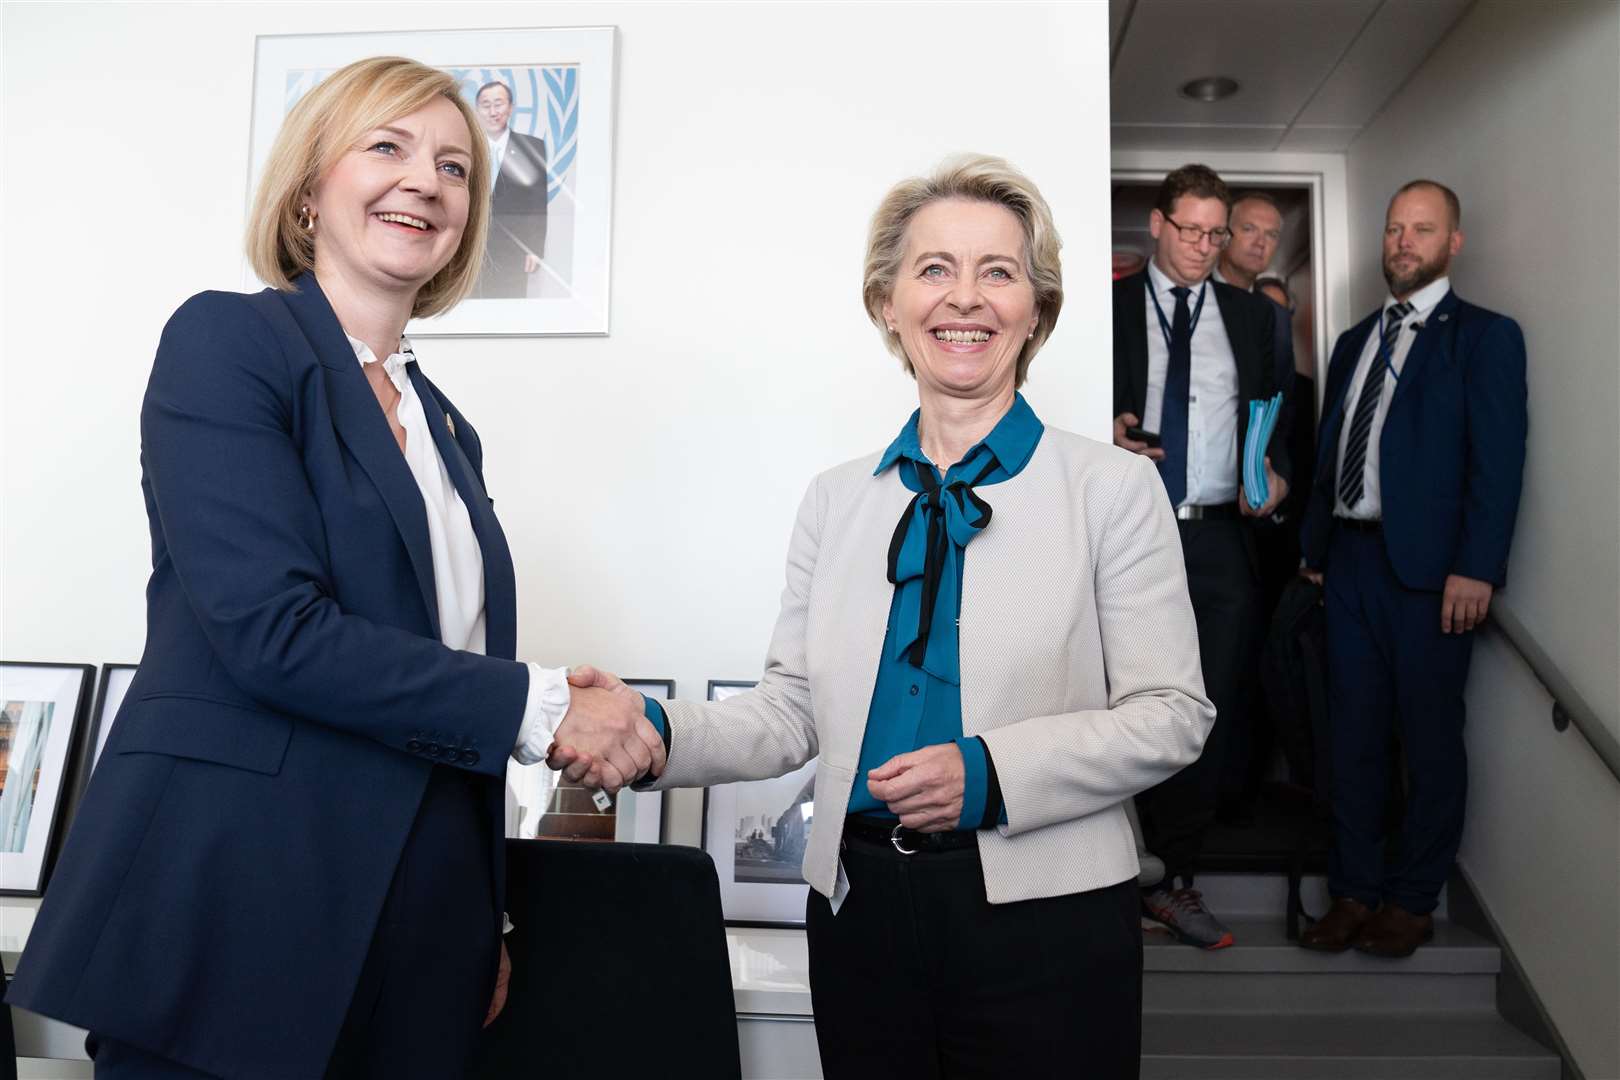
1210,88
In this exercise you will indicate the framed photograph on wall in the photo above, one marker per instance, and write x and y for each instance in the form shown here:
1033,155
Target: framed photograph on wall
755,832
544,99
114,684
42,709
540,805
639,815
110,691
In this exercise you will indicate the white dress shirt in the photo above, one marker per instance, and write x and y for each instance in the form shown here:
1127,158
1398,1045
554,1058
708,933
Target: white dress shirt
1212,394
458,562
497,154
1371,507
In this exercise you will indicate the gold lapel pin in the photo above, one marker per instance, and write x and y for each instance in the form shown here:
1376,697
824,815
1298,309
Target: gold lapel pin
451,424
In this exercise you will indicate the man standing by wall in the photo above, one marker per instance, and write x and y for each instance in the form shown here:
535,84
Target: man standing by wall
517,224
1185,370
1421,461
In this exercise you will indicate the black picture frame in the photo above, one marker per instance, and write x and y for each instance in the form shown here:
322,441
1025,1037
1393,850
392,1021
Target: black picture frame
717,685
642,686
638,816
28,845
756,901
111,686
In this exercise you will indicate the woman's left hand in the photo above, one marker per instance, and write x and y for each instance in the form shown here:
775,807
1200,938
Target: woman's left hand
503,975
922,788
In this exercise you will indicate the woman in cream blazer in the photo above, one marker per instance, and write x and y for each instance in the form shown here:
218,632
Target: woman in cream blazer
974,910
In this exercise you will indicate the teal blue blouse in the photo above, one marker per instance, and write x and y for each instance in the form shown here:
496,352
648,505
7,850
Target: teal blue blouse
917,701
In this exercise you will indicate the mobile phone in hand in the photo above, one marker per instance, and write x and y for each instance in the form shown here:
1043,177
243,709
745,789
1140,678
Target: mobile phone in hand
1142,435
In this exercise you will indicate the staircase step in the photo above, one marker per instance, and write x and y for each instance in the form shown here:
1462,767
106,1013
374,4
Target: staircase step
1267,894
1303,993
1395,1046
1263,946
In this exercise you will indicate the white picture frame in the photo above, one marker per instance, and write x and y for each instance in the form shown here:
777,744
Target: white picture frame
639,815
563,84
541,806
42,711
755,831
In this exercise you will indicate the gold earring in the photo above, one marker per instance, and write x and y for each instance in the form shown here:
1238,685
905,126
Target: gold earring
306,218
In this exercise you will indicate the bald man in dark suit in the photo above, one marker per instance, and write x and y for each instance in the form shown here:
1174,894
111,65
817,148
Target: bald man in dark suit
517,225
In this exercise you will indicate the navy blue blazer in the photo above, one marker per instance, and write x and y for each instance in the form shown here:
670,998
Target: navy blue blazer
227,866
1451,459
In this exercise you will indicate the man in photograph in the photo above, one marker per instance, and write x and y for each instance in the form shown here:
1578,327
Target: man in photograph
517,225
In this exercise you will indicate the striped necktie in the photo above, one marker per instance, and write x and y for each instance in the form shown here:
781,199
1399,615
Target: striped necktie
1352,474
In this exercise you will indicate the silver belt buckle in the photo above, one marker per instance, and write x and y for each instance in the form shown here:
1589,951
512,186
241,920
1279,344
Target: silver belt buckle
894,838
1187,512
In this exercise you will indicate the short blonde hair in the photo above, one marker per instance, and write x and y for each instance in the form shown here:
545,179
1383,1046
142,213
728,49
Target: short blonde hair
321,128
978,178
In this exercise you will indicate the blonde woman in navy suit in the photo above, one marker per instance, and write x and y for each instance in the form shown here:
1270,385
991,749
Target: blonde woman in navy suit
985,640
289,861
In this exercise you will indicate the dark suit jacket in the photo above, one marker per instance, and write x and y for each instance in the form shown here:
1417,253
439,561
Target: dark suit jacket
1250,328
226,869
517,223
1452,450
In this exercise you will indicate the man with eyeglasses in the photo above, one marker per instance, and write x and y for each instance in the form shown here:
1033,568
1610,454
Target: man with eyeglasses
1419,468
1189,356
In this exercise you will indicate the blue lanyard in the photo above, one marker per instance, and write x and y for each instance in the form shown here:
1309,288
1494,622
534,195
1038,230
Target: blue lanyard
1198,309
1383,351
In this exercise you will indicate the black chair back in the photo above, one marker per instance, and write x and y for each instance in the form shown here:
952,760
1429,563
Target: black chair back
618,965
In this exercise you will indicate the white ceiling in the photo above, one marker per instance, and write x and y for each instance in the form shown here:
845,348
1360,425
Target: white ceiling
1311,73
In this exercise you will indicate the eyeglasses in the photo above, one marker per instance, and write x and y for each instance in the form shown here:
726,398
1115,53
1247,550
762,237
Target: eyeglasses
1192,234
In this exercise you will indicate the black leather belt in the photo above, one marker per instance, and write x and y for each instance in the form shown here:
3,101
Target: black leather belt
1359,524
906,841
1214,512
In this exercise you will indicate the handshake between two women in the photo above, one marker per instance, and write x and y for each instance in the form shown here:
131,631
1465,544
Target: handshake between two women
605,740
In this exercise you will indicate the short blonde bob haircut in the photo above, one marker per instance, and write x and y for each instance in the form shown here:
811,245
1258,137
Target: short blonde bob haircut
977,178
324,125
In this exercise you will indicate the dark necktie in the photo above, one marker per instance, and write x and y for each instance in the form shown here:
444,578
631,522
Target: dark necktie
1177,386
1352,473
923,559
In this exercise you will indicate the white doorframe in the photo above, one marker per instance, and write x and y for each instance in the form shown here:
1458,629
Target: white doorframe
1324,175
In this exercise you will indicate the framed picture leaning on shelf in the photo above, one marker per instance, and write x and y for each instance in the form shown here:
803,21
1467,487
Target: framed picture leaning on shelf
42,710
540,805
755,832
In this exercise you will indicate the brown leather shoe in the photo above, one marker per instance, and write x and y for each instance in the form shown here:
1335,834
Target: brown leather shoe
1394,932
1338,928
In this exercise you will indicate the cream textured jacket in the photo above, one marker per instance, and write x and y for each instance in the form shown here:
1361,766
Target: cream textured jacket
1079,662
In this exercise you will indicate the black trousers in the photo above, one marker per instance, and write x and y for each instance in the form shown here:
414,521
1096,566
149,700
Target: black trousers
426,982
1391,672
1223,581
918,976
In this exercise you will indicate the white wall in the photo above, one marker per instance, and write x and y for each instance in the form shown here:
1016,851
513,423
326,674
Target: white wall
647,480
1519,111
